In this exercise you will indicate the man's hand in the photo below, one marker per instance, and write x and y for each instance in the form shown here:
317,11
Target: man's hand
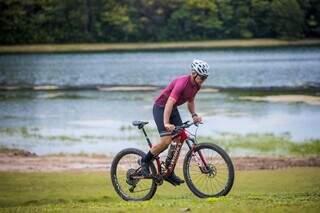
197,119
169,127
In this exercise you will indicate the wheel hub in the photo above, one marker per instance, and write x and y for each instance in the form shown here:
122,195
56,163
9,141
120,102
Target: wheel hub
210,170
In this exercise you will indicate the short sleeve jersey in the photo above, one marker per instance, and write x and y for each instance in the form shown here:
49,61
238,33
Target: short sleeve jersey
181,89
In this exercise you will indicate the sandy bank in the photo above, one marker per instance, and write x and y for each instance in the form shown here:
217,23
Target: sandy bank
308,99
142,46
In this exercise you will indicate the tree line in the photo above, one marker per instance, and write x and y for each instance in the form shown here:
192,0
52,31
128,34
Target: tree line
75,21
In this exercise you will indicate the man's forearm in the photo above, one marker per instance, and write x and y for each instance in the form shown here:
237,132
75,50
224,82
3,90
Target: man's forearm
191,107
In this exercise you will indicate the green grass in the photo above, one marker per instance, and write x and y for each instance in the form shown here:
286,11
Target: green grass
181,45
265,144
288,190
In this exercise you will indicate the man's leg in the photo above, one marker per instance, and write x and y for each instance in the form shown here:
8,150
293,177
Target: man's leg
176,120
165,140
164,143
154,151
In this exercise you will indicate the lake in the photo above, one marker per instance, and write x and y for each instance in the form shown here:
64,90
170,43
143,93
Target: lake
76,117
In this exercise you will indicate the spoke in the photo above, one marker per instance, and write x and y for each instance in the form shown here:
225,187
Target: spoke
198,179
207,183
141,190
214,185
211,186
222,172
203,183
218,179
217,190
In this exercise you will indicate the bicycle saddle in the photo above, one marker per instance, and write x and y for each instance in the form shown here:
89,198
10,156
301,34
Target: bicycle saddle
139,124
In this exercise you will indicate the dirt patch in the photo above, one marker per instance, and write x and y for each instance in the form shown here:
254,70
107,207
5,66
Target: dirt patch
253,163
17,152
53,163
32,163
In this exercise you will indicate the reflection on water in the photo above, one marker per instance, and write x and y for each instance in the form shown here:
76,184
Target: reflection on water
100,122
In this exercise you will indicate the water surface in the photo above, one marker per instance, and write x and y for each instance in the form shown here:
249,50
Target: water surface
93,121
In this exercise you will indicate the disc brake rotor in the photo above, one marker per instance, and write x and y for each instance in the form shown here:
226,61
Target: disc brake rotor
210,170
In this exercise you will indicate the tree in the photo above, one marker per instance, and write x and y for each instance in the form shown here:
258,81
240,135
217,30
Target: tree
75,21
241,19
261,15
195,19
115,21
225,15
312,17
287,19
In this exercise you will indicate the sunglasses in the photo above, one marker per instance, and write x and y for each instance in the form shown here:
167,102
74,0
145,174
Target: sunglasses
202,77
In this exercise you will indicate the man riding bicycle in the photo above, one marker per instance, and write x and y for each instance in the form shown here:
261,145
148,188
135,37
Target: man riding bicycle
166,115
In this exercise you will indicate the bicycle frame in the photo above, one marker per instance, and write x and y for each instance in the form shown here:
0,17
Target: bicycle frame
179,139
197,156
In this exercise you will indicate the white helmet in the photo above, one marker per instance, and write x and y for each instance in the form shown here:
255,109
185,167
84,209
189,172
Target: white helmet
200,67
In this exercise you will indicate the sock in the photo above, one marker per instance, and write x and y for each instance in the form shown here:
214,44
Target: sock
148,157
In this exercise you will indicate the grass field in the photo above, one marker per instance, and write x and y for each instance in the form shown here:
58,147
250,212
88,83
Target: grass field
180,45
288,190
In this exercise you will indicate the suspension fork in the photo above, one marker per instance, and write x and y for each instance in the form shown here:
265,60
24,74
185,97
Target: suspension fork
192,144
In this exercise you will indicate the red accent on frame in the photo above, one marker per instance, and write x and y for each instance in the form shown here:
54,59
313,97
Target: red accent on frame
181,136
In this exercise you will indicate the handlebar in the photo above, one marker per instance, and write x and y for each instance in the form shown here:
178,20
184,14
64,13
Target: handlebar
185,125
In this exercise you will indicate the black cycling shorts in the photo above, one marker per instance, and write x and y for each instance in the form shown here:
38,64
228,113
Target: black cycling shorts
174,119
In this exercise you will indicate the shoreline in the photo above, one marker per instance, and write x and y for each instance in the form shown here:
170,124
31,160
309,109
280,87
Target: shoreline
24,161
307,99
149,88
155,46
308,95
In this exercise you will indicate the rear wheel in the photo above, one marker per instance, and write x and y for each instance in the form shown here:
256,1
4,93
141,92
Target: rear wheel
213,180
124,166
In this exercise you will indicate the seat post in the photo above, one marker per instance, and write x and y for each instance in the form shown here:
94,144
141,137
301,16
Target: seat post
147,138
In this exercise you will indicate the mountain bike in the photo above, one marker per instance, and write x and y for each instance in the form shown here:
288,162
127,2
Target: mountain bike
208,170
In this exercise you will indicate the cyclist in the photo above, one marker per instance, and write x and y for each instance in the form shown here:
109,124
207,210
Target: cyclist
166,115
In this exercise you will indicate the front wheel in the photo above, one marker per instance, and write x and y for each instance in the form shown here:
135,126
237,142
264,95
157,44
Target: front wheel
208,171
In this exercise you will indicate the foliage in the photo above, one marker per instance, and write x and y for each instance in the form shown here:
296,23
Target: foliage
76,21
287,18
